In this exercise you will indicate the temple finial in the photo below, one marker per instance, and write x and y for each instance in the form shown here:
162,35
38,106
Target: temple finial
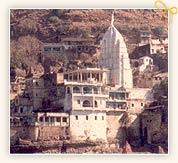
112,19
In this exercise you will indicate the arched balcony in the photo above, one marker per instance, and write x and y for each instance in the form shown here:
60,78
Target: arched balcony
76,90
95,90
87,90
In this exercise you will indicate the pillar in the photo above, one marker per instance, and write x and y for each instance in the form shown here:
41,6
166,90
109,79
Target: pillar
81,77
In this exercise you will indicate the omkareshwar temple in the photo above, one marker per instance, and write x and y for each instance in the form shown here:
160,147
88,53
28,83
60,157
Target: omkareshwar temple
114,57
89,104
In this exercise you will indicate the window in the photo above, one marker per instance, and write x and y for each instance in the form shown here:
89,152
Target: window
76,117
102,117
21,110
132,105
58,119
64,119
52,119
78,101
36,94
86,49
41,119
87,90
86,103
87,117
37,84
95,90
46,119
141,104
47,49
95,117
96,104
56,49
114,106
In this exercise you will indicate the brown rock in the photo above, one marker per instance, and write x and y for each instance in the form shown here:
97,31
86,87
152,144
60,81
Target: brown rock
127,148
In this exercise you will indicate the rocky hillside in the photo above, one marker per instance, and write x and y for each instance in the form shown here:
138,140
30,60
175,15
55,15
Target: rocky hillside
30,28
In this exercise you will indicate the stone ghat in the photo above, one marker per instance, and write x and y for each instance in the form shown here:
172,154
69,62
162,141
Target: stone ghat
65,147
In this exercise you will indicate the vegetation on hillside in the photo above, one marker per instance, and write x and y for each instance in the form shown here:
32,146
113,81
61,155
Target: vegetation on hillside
30,28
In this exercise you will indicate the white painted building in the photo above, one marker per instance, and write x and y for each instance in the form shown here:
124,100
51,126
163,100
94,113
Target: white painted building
115,58
139,99
85,99
146,64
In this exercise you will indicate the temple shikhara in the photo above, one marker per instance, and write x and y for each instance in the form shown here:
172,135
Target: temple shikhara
88,106
115,58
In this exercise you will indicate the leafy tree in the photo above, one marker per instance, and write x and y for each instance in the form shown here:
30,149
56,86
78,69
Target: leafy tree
164,86
158,31
25,51
25,27
161,89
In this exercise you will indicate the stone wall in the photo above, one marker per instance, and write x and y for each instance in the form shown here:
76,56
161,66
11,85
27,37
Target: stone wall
38,133
151,125
115,123
23,132
52,132
133,129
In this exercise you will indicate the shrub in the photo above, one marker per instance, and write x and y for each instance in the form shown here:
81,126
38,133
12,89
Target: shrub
26,26
158,31
54,19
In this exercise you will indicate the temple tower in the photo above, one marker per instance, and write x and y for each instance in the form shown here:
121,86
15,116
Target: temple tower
114,57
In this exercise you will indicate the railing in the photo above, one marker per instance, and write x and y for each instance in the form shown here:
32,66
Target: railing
116,108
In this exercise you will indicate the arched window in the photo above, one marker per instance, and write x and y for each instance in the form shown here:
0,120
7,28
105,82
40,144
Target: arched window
86,90
95,90
96,104
76,90
86,103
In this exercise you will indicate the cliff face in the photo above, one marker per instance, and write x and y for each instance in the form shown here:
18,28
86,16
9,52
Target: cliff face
29,28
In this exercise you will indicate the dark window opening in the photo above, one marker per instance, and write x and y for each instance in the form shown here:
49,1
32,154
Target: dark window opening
41,119
64,119
76,117
58,119
46,119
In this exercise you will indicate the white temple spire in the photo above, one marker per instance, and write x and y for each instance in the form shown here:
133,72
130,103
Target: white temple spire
112,19
114,56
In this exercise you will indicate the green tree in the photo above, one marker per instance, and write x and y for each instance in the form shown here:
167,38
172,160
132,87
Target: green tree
158,31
